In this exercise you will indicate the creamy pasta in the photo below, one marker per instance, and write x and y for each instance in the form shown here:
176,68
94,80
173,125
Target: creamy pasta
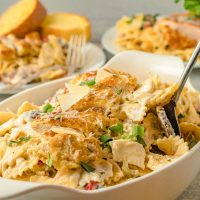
101,129
150,34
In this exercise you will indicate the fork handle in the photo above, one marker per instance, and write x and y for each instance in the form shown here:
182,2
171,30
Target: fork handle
187,71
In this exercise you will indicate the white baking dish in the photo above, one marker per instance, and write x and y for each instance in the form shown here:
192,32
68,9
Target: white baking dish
165,184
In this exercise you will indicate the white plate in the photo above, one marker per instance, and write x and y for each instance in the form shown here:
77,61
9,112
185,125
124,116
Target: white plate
107,41
108,44
166,183
95,59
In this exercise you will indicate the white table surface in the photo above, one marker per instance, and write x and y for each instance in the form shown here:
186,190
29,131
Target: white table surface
103,14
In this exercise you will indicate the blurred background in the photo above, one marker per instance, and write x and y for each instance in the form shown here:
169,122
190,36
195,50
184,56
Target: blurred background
103,13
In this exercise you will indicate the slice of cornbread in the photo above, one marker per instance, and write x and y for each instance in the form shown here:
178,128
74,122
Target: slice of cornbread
21,18
65,24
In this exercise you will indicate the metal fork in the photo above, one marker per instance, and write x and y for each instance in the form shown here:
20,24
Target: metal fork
170,107
76,53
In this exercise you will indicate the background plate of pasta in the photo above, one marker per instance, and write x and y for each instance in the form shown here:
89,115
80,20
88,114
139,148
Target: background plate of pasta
37,46
99,135
175,35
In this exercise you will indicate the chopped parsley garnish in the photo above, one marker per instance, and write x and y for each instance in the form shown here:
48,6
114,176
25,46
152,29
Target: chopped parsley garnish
180,116
49,160
12,142
138,130
88,168
138,133
130,20
21,139
127,99
141,141
89,83
118,128
118,91
105,139
24,139
48,108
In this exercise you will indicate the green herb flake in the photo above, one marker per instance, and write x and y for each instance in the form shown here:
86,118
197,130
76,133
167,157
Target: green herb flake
105,138
25,138
49,160
130,20
48,108
118,91
127,99
138,130
118,128
138,133
21,139
141,141
88,168
89,83
12,142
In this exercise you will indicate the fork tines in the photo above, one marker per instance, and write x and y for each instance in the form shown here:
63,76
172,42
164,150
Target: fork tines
76,53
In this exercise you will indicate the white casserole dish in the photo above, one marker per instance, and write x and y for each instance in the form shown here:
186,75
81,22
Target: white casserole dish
166,183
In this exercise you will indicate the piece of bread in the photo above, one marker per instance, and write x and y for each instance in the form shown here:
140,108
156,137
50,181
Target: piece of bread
65,24
22,18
